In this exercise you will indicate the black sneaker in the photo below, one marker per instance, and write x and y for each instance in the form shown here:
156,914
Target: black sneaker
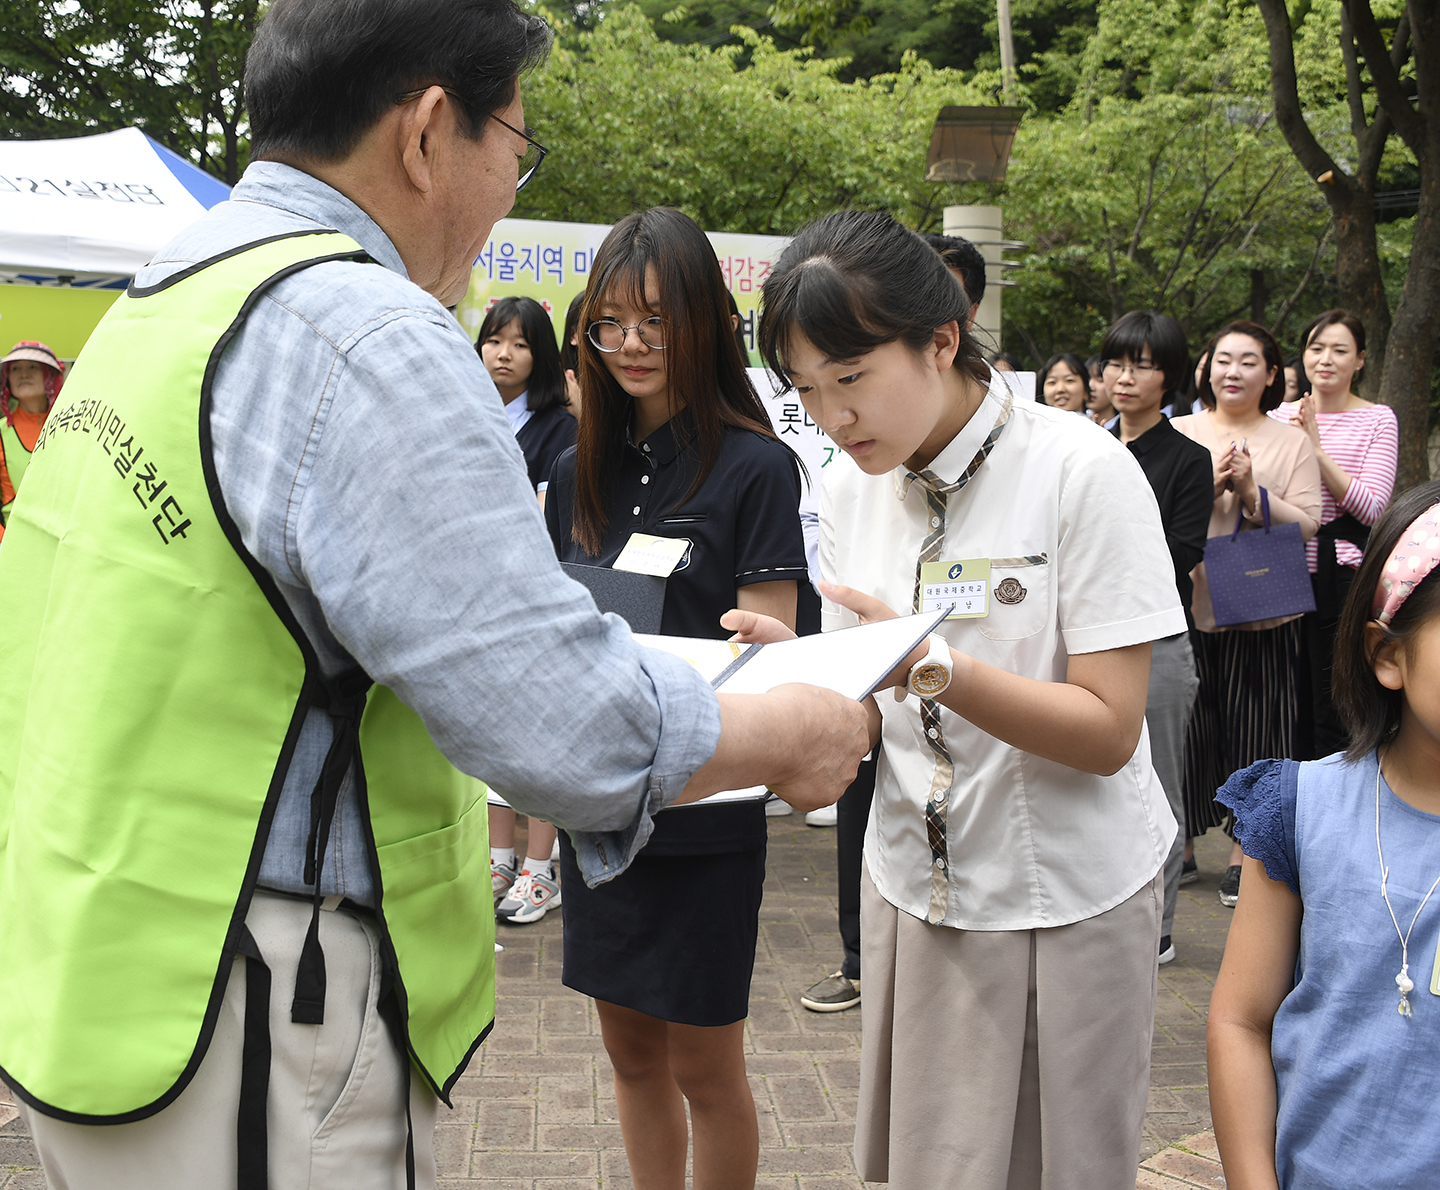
1230,887
1167,951
1189,871
834,993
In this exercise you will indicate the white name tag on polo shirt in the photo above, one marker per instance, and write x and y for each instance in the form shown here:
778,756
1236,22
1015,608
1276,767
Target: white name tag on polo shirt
644,554
965,583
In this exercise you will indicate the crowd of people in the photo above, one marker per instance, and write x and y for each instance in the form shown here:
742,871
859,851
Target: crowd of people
250,745
1235,437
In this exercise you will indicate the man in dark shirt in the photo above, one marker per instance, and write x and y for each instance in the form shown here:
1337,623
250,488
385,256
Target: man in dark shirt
1145,364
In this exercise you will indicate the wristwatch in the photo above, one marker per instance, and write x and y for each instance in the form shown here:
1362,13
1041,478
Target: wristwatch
931,677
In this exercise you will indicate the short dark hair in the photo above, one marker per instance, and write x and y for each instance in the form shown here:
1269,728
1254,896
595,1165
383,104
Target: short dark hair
1334,318
320,73
1370,712
546,387
1274,395
855,280
961,255
1071,361
1169,351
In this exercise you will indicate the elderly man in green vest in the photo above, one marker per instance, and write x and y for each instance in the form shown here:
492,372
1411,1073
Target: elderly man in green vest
277,583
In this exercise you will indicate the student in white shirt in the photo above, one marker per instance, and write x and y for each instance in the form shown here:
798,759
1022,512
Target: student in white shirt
1012,896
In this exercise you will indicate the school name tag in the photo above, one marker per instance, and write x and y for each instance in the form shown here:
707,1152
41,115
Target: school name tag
644,554
965,583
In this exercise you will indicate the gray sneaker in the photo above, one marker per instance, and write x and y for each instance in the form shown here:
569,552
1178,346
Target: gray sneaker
834,993
530,898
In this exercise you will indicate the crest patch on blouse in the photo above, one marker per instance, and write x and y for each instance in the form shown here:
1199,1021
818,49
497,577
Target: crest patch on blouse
1010,590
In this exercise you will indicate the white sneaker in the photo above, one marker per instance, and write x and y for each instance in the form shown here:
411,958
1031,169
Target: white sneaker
825,816
529,899
778,808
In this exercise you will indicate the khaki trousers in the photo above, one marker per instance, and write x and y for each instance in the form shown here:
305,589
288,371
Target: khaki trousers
336,1107
1008,1060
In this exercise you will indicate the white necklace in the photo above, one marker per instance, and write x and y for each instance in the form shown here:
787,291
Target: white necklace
1403,980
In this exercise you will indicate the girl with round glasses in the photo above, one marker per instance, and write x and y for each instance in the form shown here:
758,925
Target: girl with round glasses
675,444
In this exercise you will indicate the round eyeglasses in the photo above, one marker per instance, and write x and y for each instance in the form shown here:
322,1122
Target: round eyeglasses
529,160
608,335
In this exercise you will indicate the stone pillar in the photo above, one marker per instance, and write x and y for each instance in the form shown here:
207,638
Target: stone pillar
981,226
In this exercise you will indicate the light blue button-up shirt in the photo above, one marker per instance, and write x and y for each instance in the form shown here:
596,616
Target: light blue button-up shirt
366,458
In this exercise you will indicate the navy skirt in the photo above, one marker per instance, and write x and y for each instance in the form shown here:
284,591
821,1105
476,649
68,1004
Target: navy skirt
673,936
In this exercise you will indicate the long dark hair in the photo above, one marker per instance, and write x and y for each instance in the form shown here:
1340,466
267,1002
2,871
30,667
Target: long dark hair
855,280
570,352
1370,711
703,367
546,387
1274,395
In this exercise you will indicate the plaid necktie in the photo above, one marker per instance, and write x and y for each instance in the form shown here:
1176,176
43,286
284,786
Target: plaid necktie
937,492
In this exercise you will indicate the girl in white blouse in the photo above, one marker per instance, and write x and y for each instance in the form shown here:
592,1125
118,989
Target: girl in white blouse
1012,895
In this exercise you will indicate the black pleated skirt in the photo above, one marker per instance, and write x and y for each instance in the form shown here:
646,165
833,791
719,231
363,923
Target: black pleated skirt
1246,710
673,936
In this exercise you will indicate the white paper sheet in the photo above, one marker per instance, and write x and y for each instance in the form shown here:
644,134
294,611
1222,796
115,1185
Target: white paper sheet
850,661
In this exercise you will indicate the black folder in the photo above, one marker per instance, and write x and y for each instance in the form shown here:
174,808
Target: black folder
638,599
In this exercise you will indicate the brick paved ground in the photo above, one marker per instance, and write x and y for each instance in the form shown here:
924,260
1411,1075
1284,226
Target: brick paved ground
536,1110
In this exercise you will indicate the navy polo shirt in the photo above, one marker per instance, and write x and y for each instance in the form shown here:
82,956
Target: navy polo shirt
743,526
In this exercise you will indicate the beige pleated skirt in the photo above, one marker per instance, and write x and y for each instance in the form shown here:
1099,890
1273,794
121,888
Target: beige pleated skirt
1006,1060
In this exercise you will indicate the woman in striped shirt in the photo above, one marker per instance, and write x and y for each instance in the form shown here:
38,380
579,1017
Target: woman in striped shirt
1356,442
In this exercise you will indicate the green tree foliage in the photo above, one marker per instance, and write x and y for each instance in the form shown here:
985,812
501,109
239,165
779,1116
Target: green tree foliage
1185,204
872,37
173,68
635,120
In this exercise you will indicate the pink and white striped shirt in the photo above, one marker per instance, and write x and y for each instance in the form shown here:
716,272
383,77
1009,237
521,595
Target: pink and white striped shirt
1365,443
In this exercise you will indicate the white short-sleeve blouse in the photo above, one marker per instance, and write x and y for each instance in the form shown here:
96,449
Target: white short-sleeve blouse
1063,509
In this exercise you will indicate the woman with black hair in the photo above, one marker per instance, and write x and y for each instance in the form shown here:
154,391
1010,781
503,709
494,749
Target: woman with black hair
1063,383
1011,891
1146,364
570,353
517,345
1356,443
675,444
1249,697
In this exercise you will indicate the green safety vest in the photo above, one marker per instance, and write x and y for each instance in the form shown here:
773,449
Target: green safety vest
155,685
17,458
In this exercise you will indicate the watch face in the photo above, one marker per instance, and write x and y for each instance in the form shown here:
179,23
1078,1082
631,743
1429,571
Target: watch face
929,679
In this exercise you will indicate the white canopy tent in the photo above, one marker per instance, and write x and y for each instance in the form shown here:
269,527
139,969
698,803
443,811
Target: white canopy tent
94,207
78,217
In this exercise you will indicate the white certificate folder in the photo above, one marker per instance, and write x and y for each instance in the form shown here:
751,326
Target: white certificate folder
849,661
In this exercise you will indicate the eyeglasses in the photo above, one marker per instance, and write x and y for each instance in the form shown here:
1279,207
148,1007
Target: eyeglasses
534,151
1113,367
609,336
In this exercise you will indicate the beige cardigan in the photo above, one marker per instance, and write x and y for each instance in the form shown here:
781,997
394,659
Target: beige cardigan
1284,464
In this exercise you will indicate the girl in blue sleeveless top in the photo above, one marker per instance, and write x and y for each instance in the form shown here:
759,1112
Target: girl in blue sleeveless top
1324,1034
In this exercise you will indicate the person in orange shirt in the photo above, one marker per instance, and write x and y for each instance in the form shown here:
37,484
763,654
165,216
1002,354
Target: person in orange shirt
30,380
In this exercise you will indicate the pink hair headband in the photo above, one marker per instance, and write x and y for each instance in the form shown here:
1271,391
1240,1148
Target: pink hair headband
1415,555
